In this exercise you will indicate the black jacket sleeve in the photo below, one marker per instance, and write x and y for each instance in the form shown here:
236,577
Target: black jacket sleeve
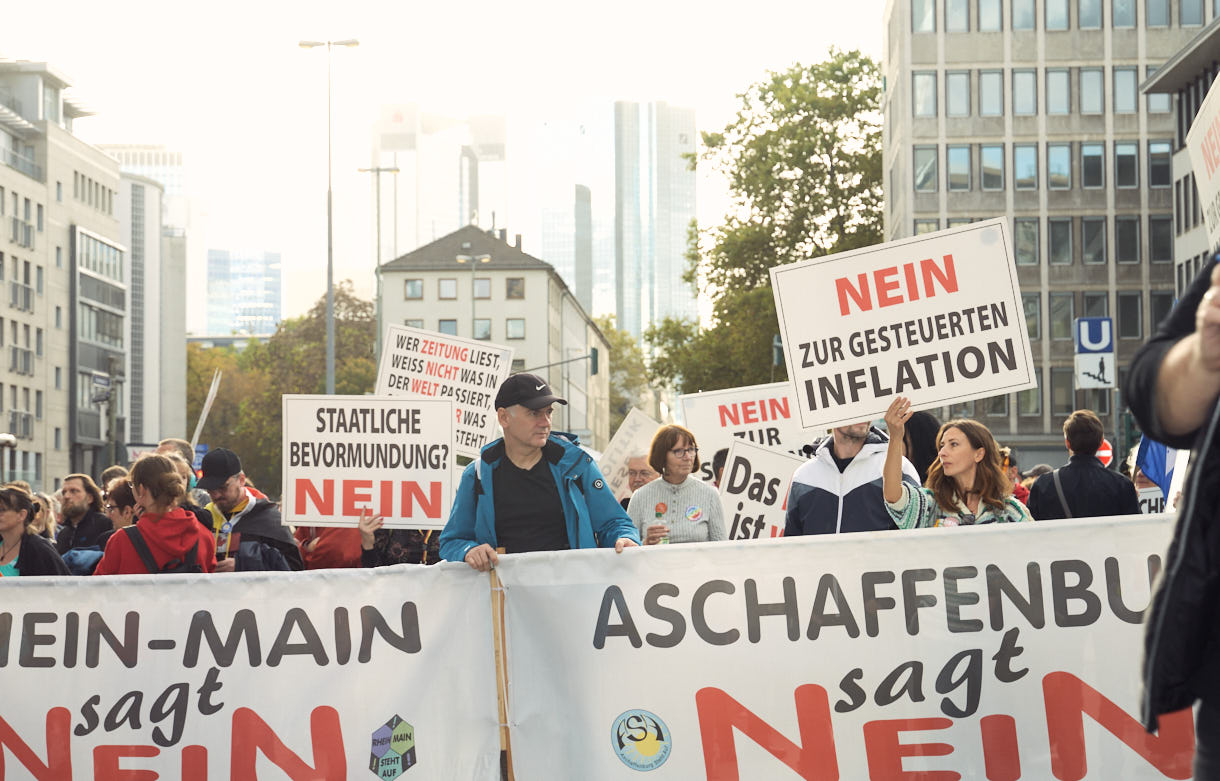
39,557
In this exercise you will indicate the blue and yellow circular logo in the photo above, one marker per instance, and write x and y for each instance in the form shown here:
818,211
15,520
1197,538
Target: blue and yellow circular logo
641,739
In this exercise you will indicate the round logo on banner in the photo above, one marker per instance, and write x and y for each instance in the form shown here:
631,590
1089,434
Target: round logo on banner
694,513
1105,453
640,739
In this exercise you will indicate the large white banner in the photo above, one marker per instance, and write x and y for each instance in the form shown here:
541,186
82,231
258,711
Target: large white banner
763,414
754,490
937,318
429,365
345,454
250,676
634,436
1001,652
1203,145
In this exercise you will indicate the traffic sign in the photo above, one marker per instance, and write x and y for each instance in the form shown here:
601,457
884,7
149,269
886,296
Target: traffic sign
1105,453
1094,335
1095,360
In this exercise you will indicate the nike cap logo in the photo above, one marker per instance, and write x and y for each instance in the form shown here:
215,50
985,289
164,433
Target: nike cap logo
540,387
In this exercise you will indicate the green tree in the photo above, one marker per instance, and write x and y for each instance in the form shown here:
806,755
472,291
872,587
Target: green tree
803,162
629,385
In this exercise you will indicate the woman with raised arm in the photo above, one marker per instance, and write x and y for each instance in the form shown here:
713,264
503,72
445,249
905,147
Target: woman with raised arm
966,484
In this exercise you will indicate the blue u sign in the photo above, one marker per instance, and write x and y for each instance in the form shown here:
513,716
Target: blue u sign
1094,335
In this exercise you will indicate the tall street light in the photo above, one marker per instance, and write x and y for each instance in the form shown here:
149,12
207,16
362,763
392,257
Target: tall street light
474,261
377,171
330,218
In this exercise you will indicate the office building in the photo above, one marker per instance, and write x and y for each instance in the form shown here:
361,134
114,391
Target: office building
245,294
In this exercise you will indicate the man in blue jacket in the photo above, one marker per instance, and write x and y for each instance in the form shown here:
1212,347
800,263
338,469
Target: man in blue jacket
531,490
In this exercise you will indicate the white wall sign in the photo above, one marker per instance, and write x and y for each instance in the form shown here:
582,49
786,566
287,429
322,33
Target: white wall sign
754,490
763,414
1203,145
342,454
428,365
937,318
633,437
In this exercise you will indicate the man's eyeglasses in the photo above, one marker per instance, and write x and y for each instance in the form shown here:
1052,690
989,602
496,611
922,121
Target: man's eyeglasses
684,452
641,473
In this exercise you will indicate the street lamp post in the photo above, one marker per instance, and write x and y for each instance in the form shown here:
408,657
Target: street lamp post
330,219
377,171
474,261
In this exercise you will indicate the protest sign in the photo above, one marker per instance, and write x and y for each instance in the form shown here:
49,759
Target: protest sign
754,490
1151,500
428,365
343,454
1203,145
936,318
929,654
763,414
251,675
634,436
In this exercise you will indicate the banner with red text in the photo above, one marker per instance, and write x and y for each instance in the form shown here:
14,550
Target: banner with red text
343,455
754,490
429,365
250,676
1001,652
937,318
763,414
1203,146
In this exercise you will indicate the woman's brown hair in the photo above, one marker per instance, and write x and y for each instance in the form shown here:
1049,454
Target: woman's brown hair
666,439
158,475
118,493
990,481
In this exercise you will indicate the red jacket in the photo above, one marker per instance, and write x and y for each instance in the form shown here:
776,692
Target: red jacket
169,536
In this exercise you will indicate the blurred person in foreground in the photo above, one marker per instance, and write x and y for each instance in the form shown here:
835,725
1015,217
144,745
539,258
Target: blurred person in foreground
23,553
1172,389
966,485
1082,488
679,507
919,442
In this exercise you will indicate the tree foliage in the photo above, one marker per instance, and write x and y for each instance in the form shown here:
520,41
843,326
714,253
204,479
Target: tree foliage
246,416
803,163
629,385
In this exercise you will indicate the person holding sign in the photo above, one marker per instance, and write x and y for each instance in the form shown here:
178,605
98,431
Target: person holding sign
679,507
531,490
966,484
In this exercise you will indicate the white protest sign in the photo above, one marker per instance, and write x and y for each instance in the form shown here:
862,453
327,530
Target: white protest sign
1203,145
763,414
1177,483
754,490
428,365
1152,501
634,436
928,654
343,454
253,675
937,318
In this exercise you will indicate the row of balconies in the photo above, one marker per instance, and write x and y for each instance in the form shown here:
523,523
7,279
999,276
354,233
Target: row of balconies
21,361
22,233
21,297
21,424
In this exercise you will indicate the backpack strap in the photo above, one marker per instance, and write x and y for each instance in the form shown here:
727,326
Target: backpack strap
1059,490
137,541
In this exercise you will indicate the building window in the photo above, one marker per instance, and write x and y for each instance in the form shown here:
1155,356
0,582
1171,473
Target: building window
957,160
1096,303
1063,392
412,322
924,158
923,16
1092,165
1059,233
1127,239
1159,102
1158,13
482,328
1125,96
1056,14
1093,239
923,95
1022,14
1124,13
995,406
1029,402
59,384
38,404
1089,14
1058,91
447,327
446,289
514,328
39,220
1126,165
990,17
1160,173
482,288
1059,166
59,317
518,365
38,279
59,191
1025,166
59,257
1032,304
926,226
957,222
957,16
1026,240
413,288
1024,92
1092,91
991,94
957,94
1160,239
1130,315
1190,13
59,439
1160,302
514,287
992,164
38,342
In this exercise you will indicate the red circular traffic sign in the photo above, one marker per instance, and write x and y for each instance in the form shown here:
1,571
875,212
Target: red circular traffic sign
1105,453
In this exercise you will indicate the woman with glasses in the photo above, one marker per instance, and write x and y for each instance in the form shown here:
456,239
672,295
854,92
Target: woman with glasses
679,507
120,504
23,553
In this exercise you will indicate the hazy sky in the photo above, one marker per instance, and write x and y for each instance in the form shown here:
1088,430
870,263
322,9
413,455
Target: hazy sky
225,82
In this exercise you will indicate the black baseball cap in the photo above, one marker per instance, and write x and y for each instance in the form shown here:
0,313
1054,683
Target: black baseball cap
218,465
528,390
